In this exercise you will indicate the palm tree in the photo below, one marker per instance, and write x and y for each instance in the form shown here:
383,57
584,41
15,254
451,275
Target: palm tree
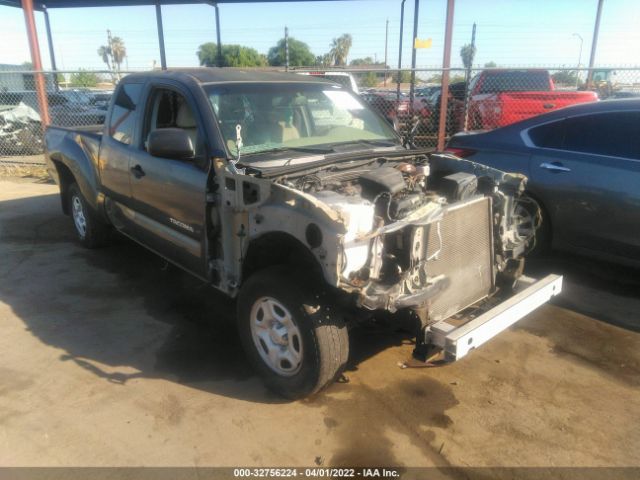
467,52
340,49
105,53
118,52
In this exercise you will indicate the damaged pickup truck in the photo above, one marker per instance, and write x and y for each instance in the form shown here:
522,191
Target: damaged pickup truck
289,194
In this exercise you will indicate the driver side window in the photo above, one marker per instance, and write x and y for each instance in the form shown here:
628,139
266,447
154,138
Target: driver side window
169,109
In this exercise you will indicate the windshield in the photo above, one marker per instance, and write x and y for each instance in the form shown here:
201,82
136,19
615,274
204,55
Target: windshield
293,116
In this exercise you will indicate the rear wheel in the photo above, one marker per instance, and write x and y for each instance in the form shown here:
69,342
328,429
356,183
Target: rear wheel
297,344
91,230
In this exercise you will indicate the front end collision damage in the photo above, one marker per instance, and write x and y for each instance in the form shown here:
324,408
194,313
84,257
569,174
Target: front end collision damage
346,239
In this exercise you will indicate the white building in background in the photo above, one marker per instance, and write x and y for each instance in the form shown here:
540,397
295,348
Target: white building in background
16,78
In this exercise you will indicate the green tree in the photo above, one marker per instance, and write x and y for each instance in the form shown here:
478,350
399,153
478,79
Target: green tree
565,77
340,49
467,53
435,78
83,79
490,64
358,62
232,56
324,60
405,76
370,79
299,54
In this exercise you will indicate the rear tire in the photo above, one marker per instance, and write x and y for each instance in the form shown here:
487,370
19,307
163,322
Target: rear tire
91,230
297,344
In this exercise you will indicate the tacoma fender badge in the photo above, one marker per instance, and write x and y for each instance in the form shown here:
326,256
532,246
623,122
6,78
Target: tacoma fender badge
181,224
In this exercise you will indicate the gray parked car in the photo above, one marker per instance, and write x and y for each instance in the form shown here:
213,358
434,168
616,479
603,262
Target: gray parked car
583,164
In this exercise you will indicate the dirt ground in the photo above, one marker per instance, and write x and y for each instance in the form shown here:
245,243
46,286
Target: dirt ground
109,358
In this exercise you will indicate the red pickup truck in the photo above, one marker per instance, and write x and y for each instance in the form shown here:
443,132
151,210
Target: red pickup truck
501,97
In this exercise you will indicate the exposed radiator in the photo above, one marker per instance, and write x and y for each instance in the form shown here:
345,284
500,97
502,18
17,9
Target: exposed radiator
464,250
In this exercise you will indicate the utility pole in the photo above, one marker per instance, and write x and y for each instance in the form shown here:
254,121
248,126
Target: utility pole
594,44
468,77
286,48
386,44
219,41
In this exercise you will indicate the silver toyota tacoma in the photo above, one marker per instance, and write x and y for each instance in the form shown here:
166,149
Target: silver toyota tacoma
289,194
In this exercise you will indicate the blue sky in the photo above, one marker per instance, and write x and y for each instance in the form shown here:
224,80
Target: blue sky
510,32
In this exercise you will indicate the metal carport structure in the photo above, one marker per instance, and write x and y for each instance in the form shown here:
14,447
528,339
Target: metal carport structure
29,6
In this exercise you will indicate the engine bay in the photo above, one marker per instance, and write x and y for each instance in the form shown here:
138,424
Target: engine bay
420,224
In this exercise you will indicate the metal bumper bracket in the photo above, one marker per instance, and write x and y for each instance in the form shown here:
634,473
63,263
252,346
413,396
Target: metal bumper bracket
457,341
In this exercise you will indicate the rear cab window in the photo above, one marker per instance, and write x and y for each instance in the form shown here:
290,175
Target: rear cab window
123,119
515,81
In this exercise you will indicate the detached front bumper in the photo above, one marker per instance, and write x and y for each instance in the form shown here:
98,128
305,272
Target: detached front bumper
458,340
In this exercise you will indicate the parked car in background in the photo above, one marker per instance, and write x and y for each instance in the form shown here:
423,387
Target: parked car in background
583,164
77,96
100,99
427,90
20,127
501,97
397,111
455,107
343,78
66,109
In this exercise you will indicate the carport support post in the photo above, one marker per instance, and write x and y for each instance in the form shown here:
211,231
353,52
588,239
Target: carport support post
446,64
413,65
400,50
215,5
52,55
594,44
34,47
163,56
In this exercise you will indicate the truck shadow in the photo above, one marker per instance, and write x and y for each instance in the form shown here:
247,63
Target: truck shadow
122,313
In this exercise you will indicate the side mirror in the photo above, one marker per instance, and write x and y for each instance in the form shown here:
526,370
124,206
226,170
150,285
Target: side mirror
174,143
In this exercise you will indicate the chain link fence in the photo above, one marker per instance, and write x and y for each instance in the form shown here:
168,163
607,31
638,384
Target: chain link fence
75,99
477,99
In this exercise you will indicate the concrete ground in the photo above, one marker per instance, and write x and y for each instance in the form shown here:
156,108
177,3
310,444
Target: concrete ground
110,359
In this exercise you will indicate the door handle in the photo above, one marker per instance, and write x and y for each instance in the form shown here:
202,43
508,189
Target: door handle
554,167
137,171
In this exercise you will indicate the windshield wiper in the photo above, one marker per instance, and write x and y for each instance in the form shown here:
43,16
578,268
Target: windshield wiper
293,149
368,142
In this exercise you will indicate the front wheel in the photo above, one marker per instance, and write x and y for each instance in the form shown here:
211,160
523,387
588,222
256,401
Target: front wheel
297,344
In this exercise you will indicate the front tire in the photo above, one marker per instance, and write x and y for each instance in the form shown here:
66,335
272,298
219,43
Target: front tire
91,230
297,344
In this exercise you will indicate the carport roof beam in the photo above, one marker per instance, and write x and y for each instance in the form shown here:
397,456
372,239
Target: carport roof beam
39,4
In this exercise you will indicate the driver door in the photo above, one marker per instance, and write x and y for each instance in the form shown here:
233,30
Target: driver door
169,196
